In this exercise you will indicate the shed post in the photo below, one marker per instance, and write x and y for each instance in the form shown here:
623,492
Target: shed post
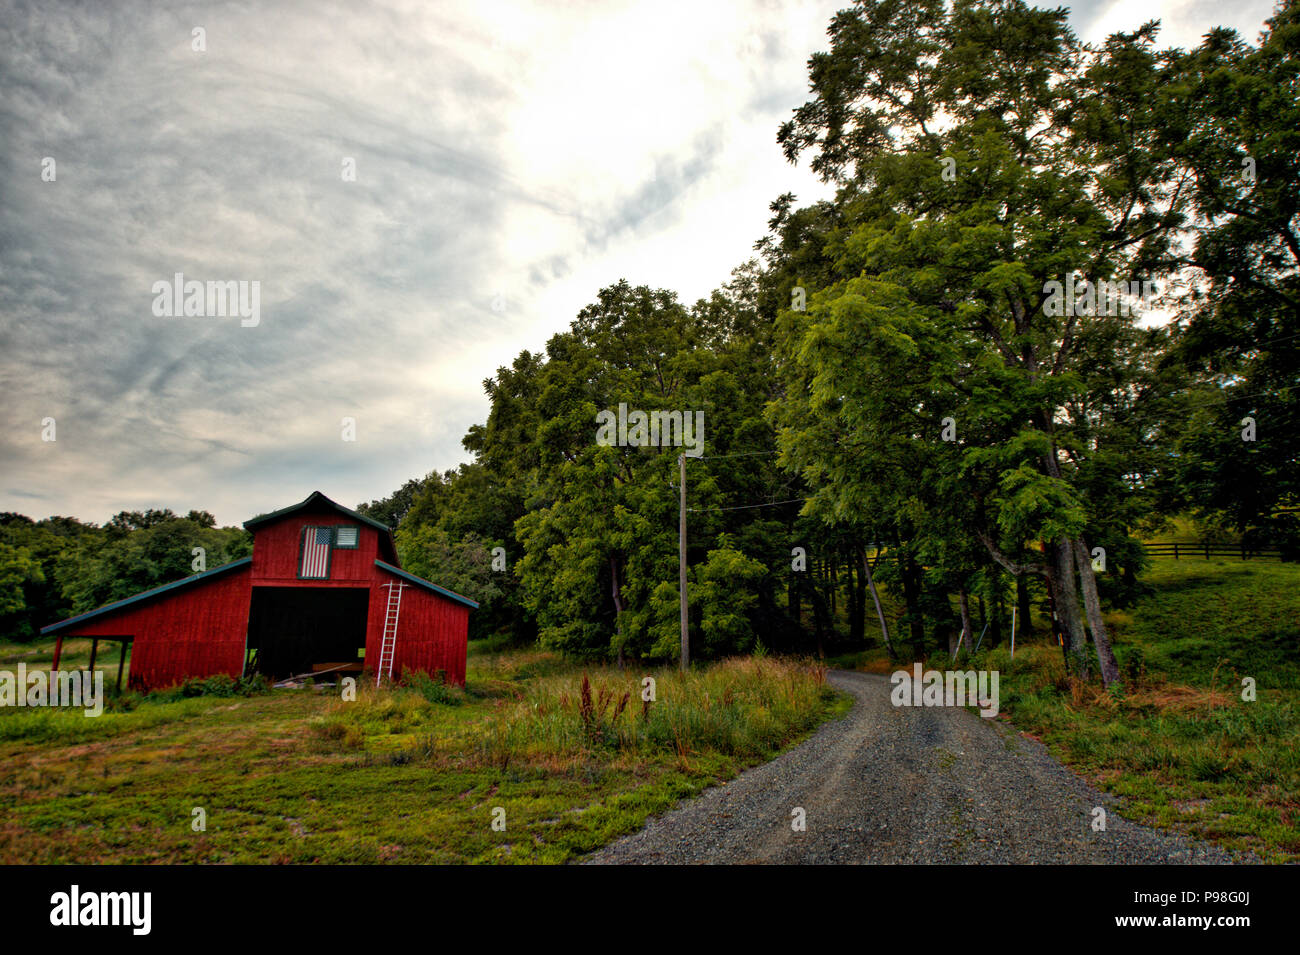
58,652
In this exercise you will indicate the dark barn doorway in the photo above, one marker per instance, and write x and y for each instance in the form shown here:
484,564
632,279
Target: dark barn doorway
292,630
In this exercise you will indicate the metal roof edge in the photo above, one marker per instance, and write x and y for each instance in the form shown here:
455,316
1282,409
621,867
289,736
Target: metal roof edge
174,585
427,584
313,496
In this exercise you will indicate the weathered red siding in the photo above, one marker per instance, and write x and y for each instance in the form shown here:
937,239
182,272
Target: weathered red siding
276,553
432,631
194,631
199,628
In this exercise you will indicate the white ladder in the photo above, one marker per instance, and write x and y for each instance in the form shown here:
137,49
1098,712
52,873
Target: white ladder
388,649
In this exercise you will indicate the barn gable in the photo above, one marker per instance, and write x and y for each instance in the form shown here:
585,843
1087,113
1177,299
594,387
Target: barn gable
316,542
427,585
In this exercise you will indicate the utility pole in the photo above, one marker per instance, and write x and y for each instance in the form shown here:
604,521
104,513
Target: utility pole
681,564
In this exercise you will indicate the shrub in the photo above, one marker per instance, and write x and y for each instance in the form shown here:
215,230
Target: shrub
433,688
220,685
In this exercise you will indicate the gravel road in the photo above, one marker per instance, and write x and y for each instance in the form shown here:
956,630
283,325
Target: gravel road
892,784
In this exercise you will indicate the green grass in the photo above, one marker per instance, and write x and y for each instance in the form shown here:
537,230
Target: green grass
1239,617
1179,745
403,775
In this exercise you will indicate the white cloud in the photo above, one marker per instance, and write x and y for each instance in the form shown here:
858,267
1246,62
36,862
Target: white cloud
538,150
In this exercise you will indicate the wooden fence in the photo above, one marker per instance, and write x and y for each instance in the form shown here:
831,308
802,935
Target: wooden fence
1191,549
1177,550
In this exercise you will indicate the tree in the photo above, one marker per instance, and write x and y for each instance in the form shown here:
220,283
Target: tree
46,542
463,566
392,510
599,535
125,521
724,591
137,552
1234,131
17,569
986,159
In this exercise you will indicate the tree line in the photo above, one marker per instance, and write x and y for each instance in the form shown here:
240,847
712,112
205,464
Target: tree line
931,400
897,365
60,566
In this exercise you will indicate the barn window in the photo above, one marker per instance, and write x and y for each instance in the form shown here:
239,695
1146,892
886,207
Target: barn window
345,536
314,563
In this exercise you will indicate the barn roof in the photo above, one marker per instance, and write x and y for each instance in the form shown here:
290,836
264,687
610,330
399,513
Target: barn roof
157,591
427,585
316,498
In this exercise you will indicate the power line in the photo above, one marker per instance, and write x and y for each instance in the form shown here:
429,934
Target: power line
745,507
1264,344
1228,396
740,454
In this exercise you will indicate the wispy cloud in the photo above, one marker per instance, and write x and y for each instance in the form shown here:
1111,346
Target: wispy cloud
513,155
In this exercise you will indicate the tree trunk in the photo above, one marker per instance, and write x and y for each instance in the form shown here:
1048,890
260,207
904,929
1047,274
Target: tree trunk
857,595
1096,623
1065,590
618,608
1066,587
862,597
833,584
819,617
911,575
999,608
875,597
1055,621
1024,624
965,639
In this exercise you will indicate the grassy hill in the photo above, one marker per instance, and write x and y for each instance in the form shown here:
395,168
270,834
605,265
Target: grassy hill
1180,745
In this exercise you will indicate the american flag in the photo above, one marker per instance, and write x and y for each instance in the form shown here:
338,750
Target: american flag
315,553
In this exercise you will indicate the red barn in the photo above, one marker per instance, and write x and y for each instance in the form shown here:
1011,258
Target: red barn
323,583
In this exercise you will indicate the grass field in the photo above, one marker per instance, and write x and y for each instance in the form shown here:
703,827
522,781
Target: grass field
414,774
1179,744
405,775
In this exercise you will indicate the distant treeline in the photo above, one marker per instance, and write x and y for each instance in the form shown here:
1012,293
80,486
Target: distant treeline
60,566
922,366
895,374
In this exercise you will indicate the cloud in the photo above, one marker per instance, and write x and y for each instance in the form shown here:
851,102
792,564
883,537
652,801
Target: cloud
522,155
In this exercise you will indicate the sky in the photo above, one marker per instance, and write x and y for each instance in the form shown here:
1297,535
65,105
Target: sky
419,191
